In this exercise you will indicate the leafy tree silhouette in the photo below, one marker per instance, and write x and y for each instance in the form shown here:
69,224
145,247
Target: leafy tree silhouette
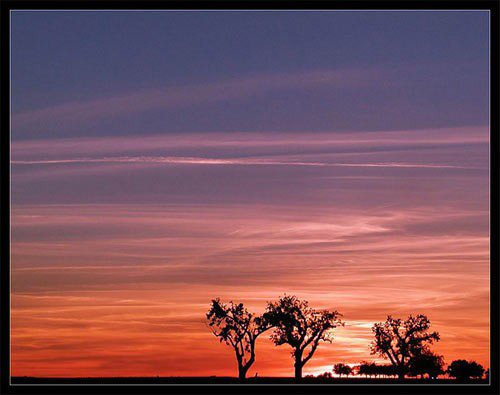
372,369
342,369
301,327
385,370
426,363
365,368
234,325
400,341
464,370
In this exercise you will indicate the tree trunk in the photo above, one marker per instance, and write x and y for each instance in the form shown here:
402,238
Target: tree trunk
298,371
298,364
242,372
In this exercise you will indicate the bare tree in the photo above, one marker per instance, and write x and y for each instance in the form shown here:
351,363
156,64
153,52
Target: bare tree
301,327
234,325
399,340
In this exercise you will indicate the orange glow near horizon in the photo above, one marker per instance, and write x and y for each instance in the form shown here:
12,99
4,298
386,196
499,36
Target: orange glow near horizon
109,316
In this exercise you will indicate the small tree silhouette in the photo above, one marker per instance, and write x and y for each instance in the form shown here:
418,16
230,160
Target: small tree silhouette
426,363
385,370
464,370
366,368
372,369
301,327
399,340
342,369
235,326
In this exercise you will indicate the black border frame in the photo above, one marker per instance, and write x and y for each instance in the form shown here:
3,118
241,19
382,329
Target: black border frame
491,5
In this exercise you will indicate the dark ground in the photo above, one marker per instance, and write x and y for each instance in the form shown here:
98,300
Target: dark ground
228,380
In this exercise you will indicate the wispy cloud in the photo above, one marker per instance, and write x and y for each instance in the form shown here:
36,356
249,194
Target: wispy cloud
257,141
179,96
216,161
407,149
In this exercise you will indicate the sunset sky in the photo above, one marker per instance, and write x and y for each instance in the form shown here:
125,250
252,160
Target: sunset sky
162,159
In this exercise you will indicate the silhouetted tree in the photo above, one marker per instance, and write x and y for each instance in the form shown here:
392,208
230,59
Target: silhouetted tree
342,369
464,370
301,327
388,370
426,363
361,369
237,327
399,340
366,369
372,369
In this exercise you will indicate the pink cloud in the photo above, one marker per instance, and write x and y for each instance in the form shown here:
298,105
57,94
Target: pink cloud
255,141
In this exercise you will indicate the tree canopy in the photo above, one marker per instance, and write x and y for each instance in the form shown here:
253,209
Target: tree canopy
300,326
233,324
400,340
426,364
342,369
465,370
372,369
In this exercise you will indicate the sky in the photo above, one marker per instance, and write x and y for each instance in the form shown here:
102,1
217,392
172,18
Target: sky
162,159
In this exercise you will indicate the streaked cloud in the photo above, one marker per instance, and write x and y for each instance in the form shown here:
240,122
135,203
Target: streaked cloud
175,96
214,161
263,142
